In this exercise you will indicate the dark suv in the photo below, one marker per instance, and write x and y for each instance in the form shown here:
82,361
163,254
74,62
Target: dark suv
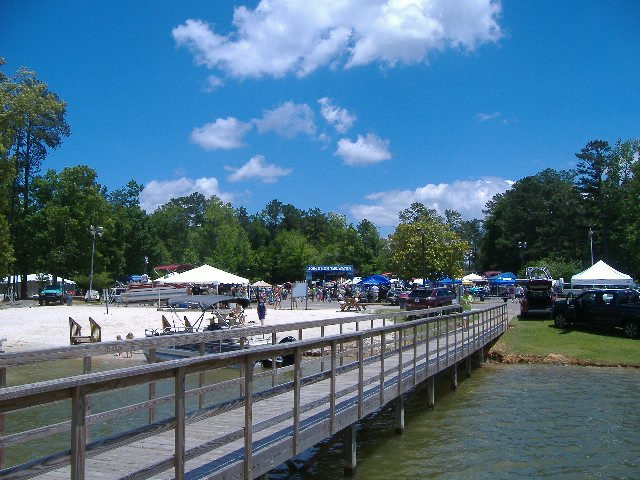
428,298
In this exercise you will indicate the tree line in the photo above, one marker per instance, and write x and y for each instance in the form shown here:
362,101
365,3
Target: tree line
45,217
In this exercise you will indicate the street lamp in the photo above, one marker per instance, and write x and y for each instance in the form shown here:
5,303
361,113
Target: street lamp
146,262
424,260
522,247
591,232
93,230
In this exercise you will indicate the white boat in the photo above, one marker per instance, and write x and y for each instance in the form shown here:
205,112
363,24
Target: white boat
150,292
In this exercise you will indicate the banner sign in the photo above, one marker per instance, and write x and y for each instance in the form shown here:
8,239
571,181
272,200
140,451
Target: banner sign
329,270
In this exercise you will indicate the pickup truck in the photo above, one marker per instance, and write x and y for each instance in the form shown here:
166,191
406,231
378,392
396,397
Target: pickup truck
51,294
605,308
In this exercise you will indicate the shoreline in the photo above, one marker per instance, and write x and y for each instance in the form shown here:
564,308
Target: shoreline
506,358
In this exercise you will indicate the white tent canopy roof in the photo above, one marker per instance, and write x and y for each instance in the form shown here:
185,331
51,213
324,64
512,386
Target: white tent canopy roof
204,275
472,277
601,274
261,283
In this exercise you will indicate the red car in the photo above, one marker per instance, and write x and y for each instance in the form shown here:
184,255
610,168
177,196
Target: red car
421,298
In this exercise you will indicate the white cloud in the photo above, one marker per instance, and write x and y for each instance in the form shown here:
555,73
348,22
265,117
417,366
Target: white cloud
223,134
338,118
484,117
257,167
364,151
281,37
468,197
287,120
213,83
159,192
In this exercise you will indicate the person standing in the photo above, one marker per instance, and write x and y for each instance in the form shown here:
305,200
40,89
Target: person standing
262,310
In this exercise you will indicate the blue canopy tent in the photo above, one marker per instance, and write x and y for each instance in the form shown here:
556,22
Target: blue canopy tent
375,280
445,281
506,278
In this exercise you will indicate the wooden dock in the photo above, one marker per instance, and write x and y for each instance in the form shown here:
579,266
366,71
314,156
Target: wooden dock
269,415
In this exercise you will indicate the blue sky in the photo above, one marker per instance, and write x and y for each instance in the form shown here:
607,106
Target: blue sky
354,107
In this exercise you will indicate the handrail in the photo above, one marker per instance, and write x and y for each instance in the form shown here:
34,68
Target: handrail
79,387
161,341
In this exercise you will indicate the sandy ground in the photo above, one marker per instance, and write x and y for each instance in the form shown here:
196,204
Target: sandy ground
35,327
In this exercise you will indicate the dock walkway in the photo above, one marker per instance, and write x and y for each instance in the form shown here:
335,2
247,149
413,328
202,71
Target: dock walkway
277,414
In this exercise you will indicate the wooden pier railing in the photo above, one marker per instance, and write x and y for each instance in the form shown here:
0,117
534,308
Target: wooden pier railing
244,426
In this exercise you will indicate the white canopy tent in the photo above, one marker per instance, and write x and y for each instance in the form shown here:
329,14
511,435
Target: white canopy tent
602,275
206,274
473,277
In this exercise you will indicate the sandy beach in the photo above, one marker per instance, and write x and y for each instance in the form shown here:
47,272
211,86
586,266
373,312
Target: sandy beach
36,327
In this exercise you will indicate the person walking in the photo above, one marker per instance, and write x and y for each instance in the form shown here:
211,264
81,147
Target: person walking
262,310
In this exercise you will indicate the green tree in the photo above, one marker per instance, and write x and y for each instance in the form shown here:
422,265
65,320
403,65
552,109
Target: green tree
443,249
35,116
7,172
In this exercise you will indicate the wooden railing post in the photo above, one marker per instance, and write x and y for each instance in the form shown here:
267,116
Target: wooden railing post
243,341
400,333
341,348
415,355
360,374
274,366
297,374
202,351
447,340
3,383
438,345
78,432
322,350
152,388
382,349
332,389
248,417
179,407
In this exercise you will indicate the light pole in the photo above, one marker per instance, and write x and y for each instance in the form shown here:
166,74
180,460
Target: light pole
522,247
424,260
93,230
591,243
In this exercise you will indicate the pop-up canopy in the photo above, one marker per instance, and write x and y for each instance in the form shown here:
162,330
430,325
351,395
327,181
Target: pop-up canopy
206,274
375,280
601,274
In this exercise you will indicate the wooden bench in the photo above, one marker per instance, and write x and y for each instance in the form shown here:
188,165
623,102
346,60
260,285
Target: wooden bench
75,332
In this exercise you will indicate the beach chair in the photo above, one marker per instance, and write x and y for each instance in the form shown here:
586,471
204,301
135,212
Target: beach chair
75,333
96,331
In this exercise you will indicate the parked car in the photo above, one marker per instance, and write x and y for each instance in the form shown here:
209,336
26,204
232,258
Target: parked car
395,294
609,308
429,298
538,297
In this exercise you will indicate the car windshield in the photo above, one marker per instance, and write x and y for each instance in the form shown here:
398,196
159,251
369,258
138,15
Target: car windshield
52,287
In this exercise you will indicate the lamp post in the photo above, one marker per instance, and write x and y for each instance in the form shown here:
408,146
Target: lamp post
93,230
424,260
591,243
522,247
146,262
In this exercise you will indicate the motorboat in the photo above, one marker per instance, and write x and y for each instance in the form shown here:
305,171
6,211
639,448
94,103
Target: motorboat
218,321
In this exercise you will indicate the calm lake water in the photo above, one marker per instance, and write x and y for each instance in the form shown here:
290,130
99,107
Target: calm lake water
506,422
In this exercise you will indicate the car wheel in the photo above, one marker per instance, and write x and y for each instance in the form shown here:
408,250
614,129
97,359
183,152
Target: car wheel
631,329
41,302
560,321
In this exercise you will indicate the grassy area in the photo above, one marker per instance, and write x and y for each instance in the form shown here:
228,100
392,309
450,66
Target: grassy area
541,338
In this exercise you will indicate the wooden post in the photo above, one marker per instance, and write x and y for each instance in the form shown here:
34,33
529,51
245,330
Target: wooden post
273,362
78,432
322,350
399,414
467,367
480,357
332,390
242,372
447,341
202,350
350,450
360,374
297,370
248,417
431,390
398,333
415,355
454,377
382,349
86,368
438,346
341,347
371,339
178,460
3,383
152,388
